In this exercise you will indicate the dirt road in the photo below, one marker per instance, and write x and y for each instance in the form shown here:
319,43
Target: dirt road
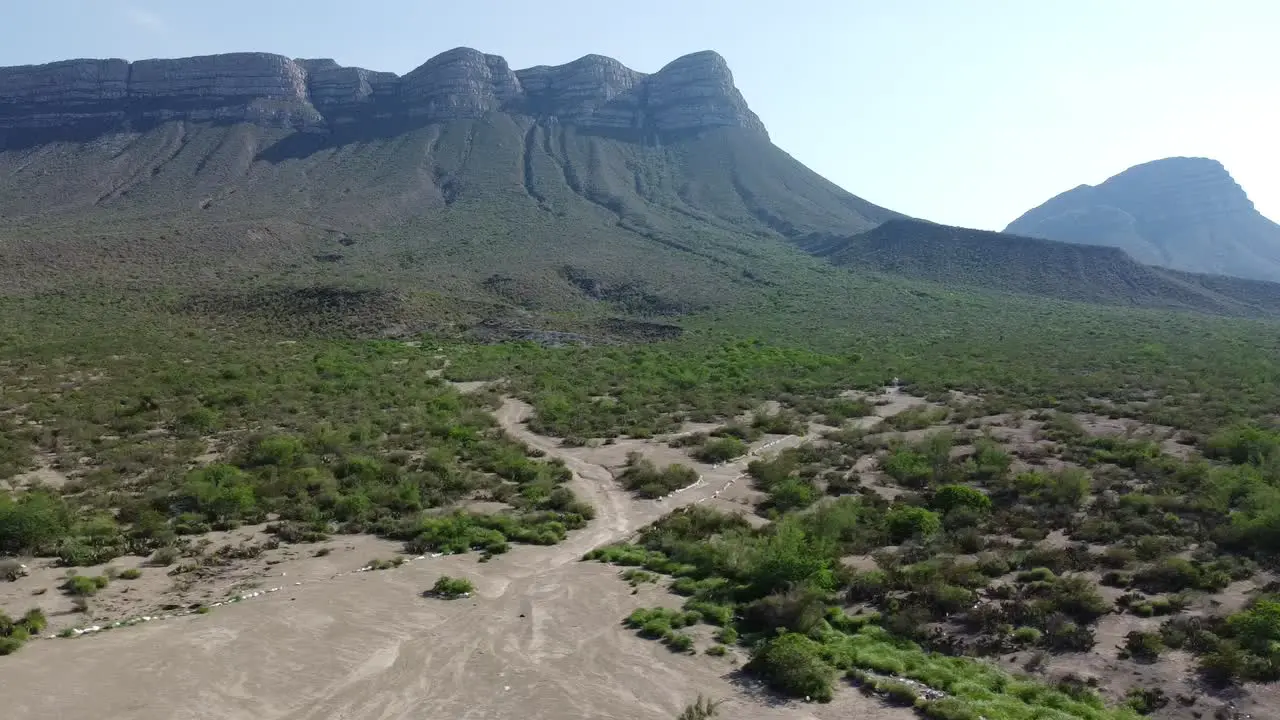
541,639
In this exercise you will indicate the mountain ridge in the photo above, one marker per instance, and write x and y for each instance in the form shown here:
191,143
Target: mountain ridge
693,92
1010,263
1184,213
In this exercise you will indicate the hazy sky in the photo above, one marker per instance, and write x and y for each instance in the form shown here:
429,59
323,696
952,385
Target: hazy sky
960,111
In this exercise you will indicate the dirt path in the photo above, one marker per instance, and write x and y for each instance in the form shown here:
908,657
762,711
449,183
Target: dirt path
541,639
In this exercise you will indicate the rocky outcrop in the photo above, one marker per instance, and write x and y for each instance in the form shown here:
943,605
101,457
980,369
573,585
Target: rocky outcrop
71,92
256,87
461,83
344,94
579,91
698,91
1183,213
695,92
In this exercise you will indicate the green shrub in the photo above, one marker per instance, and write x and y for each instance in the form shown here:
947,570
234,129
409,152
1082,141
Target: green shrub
1243,444
678,642
917,418
908,466
130,574
727,635
33,521
720,450
1175,574
906,522
897,692
1146,700
280,450
780,423
1143,646
1040,574
13,633
950,497
644,478
717,650
165,556
1257,628
1026,635
84,585
450,587
635,577
1224,665
792,664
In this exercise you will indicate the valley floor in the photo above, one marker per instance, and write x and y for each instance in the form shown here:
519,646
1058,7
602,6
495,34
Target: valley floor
540,638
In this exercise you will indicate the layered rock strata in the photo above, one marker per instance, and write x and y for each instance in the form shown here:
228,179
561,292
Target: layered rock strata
694,92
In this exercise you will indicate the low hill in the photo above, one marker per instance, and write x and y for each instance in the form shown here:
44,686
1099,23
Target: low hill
1013,264
1183,213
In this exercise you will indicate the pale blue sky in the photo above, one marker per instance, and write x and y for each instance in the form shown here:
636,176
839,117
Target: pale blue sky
960,111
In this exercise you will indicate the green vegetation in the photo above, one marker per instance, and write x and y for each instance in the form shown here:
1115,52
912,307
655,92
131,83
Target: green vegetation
643,478
720,450
84,586
665,625
357,437
782,579
451,588
13,633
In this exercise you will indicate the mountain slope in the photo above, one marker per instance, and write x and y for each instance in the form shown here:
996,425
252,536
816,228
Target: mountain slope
1032,266
1183,213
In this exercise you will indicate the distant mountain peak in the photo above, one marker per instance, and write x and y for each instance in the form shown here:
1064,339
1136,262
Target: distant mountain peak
1186,213
692,93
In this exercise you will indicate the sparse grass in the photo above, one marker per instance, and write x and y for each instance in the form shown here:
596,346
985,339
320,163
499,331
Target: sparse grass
703,708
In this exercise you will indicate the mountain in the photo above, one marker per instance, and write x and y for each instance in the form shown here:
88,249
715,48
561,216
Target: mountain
961,257
587,187
1183,213
466,194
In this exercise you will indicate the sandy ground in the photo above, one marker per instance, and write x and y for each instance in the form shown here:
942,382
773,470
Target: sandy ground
541,639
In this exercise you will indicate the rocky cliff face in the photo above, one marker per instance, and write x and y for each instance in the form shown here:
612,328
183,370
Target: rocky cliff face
1183,213
692,93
